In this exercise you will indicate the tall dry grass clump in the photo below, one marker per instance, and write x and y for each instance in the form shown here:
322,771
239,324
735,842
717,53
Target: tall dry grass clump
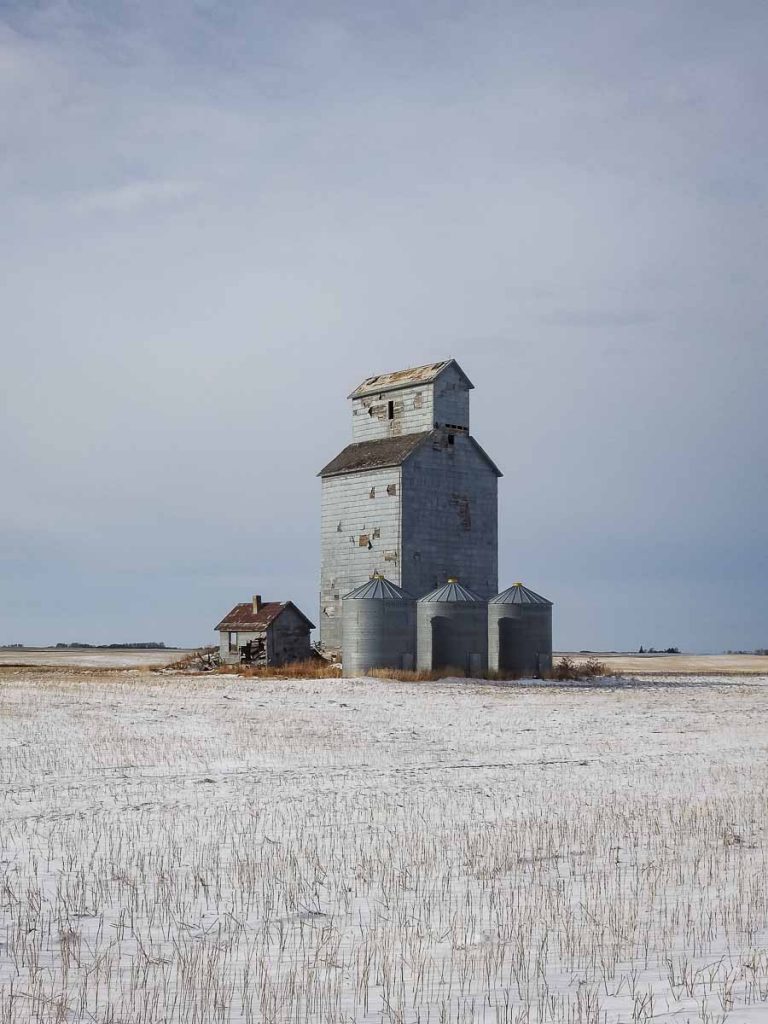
311,668
401,675
567,670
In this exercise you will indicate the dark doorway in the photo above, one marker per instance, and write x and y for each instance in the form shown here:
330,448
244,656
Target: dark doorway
446,651
511,657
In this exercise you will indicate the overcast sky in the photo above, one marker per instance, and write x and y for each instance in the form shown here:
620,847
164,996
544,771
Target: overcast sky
216,217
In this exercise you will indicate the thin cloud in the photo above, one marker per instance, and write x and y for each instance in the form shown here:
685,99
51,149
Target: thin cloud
599,318
134,196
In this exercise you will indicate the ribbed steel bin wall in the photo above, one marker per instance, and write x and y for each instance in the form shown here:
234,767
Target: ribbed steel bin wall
452,634
520,638
378,633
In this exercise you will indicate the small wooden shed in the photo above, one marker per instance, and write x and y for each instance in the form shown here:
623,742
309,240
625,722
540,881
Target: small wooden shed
264,633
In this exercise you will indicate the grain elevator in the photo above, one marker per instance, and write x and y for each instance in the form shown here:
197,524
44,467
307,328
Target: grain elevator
414,497
409,537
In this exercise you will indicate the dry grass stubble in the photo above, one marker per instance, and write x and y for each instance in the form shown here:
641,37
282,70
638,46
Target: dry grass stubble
188,849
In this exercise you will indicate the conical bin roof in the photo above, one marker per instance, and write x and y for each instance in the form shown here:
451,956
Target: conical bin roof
378,589
518,594
452,593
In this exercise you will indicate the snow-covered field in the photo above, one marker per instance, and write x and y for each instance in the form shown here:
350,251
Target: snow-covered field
200,850
89,657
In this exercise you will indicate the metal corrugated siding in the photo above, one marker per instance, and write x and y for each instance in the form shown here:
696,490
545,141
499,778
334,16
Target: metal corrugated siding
379,628
520,637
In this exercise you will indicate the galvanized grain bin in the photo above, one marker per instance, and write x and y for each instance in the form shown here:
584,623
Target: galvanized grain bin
520,632
452,630
378,628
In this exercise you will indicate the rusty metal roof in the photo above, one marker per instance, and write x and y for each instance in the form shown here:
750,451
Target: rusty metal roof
406,378
244,617
387,451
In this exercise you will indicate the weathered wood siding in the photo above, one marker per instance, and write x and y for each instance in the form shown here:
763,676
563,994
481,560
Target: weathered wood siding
450,518
360,535
442,519
412,408
415,409
288,639
451,400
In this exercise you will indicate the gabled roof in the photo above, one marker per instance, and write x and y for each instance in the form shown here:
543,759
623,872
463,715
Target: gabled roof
387,451
244,617
519,594
410,378
378,589
452,593
484,454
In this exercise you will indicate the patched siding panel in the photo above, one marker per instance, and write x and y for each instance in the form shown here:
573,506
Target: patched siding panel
412,409
349,514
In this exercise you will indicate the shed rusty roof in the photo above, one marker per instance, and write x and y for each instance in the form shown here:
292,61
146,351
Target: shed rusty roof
406,378
387,451
244,617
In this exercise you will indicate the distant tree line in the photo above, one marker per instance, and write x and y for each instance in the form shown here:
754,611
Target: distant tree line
653,650
757,650
110,647
153,646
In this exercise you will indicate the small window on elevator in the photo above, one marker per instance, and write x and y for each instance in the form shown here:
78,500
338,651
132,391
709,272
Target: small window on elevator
390,410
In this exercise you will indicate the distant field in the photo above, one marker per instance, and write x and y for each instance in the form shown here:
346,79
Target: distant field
686,664
89,658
